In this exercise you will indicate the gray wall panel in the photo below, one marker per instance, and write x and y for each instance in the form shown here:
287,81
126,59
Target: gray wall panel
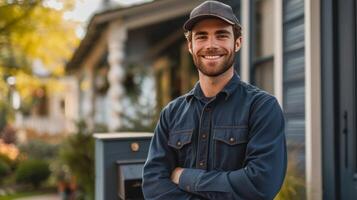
293,9
295,100
294,65
293,68
294,126
294,34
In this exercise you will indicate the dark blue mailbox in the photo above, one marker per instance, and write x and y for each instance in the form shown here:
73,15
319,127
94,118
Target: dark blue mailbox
119,159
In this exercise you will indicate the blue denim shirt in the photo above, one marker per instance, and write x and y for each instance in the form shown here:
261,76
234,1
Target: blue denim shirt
231,146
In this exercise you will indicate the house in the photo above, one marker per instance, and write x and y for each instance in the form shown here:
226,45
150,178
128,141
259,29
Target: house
302,51
51,113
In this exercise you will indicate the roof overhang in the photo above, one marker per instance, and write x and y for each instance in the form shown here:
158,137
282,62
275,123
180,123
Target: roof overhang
132,17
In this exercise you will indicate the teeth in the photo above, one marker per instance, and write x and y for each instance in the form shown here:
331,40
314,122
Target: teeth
211,57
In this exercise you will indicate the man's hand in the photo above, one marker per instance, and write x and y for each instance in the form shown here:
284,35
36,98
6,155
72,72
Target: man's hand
175,175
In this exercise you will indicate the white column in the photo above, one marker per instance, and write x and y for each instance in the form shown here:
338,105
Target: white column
116,40
313,100
278,50
245,65
88,96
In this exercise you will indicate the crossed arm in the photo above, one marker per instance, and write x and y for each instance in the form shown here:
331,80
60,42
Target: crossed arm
261,178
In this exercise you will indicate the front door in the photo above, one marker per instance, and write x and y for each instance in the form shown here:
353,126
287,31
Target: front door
346,90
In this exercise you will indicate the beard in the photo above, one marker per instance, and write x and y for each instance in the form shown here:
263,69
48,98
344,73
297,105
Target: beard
214,68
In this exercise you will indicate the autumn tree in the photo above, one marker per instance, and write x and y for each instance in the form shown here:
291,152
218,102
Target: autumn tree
33,33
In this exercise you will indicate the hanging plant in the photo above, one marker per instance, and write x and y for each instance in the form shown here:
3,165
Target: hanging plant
134,75
101,83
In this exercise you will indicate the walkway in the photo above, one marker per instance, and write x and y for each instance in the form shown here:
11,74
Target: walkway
42,197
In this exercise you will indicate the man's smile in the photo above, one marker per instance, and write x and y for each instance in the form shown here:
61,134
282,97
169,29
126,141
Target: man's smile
215,57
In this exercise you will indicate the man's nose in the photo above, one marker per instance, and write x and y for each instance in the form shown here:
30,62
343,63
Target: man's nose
211,43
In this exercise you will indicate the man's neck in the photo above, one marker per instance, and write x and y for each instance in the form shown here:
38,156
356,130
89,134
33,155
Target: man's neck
211,86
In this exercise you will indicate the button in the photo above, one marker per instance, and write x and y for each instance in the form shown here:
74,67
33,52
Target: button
204,136
231,139
179,143
207,109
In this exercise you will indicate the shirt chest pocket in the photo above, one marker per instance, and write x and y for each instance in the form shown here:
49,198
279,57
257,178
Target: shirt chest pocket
181,142
229,148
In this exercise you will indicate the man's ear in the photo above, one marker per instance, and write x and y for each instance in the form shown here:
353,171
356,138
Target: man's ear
238,44
189,46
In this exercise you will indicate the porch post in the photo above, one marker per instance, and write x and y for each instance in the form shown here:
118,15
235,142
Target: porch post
313,101
245,67
116,38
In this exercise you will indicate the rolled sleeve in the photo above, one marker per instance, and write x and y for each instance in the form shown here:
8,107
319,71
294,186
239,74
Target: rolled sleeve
188,179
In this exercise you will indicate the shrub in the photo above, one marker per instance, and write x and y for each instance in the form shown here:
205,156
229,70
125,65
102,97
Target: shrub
4,158
77,153
294,183
33,172
4,169
37,149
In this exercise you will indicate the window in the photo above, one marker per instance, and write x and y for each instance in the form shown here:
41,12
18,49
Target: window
262,68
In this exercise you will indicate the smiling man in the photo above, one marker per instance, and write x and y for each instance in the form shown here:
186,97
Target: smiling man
225,138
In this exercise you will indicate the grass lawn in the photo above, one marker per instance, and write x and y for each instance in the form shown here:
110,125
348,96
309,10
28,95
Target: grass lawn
24,194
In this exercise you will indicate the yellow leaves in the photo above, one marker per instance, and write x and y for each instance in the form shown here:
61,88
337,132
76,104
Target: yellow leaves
52,39
39,32
58,71
26,83
54,86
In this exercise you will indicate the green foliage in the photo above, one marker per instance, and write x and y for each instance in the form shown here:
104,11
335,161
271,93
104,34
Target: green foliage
37,149
33,172
294,183
4,169
5,159
77,153
6,114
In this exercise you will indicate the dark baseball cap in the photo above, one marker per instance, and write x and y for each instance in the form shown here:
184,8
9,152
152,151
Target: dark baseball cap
209,9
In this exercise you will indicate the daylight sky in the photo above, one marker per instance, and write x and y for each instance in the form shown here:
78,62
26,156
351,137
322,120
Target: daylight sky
84,9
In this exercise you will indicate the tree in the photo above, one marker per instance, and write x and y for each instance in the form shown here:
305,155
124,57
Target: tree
34,33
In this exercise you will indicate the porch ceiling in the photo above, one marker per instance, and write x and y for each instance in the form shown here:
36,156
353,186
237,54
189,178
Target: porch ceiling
132,17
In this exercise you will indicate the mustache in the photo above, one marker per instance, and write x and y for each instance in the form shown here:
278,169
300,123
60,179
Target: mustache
212,52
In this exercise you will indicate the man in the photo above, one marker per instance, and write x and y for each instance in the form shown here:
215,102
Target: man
225,138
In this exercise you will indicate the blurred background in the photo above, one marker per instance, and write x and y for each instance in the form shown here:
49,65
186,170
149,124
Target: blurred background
72,68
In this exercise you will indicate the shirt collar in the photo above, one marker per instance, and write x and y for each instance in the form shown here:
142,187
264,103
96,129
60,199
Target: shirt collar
228,89
195,92
231,86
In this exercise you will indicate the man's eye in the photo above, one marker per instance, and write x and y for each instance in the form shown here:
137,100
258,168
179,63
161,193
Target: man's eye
200,37
222,36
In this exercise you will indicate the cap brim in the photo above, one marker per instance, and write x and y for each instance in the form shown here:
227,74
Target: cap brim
189,24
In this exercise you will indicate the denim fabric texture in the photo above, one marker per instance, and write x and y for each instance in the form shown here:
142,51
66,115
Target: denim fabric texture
231,146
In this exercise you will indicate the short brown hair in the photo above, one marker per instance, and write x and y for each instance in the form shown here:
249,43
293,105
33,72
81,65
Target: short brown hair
237,32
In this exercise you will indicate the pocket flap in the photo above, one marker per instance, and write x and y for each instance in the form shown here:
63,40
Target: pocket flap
231,136
178,139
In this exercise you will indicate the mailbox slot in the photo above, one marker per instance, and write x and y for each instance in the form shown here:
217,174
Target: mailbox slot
130,179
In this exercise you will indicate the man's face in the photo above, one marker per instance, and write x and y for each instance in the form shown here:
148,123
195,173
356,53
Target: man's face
213,47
